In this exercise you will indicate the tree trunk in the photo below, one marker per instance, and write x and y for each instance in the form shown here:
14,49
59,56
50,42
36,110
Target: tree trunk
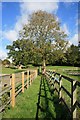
44,67
44,64
19,67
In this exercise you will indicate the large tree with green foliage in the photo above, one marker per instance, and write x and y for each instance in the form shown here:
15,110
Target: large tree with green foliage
73,55
36,44
20,51
5,62
43,29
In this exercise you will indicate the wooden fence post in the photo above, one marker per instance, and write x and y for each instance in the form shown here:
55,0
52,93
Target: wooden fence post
10,83
23,82
60,89
54,82
27,78
36,73
30,78
73,99
13,90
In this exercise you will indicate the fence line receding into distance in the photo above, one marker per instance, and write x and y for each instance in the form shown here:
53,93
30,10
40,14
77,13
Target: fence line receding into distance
68,91
11,85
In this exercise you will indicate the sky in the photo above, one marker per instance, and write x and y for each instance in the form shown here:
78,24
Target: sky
15,14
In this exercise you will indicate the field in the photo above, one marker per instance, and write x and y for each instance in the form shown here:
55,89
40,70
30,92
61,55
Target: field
13,70
65,70
25,103
60,69
37,100
10,70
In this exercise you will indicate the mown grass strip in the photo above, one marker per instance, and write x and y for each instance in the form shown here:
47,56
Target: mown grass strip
25,103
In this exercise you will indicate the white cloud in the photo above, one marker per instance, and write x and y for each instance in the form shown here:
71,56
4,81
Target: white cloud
34,6
65,29
3,54
74,39
19,24
11,35
40,0
27,8
71,0
30,0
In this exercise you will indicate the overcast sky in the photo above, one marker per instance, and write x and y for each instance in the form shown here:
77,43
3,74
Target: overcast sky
15,15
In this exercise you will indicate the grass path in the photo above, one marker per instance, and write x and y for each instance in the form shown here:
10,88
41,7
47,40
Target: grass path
36,102
25,103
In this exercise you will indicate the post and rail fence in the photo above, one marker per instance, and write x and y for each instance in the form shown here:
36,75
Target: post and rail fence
68,91
11,85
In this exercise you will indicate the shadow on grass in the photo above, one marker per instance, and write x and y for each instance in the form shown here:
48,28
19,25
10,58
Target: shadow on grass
48,106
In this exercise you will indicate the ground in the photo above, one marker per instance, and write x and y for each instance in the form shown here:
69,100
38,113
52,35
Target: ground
64,70
37,100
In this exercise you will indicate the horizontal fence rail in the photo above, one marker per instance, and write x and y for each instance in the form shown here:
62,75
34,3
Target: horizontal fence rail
11,85
68,91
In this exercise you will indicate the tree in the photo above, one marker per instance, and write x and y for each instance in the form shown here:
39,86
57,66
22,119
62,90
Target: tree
20,51
43,29
6,62
73,55
36,40
58,52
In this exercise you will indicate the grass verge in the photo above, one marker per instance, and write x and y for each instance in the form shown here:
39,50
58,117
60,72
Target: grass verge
36,102
63,70
10,70
25,103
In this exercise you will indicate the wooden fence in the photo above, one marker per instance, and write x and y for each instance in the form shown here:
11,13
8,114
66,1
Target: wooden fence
68,91
12,85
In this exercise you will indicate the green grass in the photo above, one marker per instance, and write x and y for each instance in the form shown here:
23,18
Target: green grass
26,106
30,104
5,70
10,70
62,70
25,103
49,107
